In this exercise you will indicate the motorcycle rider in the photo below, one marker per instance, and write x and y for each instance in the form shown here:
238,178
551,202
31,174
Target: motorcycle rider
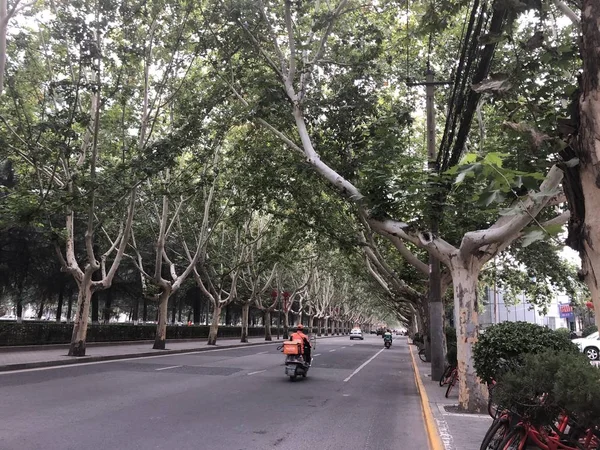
387,336
300,336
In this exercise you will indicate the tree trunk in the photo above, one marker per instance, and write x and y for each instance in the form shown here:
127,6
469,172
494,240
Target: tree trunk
267,319
196,302
180,305
581,181
227,316
174,311
61,296
95,306
40,312
161,327
135,310
311,322
82,313
286,326
70,306
326,321
214,326
145,310
245,310
472,394
108,298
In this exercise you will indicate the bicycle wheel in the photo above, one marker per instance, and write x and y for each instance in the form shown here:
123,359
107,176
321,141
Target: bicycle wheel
445,375
495,434
422,355
452,382
515,440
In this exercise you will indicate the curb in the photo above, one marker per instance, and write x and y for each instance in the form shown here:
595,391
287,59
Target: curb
88,359
435,443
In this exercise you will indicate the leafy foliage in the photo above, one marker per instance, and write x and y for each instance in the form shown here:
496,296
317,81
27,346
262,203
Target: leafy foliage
502,346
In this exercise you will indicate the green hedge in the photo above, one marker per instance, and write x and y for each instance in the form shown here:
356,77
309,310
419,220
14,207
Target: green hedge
502,346
37,333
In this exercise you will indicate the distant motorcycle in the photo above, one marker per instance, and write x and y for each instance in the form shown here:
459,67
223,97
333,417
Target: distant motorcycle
387,344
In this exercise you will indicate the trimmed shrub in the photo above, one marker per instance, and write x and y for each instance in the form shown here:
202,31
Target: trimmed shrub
529,388
502,346
547,383
38,333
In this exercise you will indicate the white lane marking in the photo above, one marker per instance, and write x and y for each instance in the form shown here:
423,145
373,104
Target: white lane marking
261,353
318,354
342,347
258,371
332,350
92,363
170,367
363,365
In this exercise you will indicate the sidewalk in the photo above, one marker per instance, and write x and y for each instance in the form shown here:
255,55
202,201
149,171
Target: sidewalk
457,431
14,359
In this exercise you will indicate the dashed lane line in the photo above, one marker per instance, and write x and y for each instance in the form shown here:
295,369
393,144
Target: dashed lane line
363,365
167,368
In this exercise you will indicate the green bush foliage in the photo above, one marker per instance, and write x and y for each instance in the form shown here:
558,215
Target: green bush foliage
38,333
589,330
529,388
548,383
577,389
502,346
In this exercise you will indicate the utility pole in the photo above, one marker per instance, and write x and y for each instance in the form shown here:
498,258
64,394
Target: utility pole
436,307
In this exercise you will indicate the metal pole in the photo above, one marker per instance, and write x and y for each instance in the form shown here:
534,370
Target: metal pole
436,309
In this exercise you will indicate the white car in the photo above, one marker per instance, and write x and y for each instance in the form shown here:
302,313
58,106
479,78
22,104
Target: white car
589,345
356,333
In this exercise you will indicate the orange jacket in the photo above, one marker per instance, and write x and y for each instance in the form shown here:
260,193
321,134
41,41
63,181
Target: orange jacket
300,336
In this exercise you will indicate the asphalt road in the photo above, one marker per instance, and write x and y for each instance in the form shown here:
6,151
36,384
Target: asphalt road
237,399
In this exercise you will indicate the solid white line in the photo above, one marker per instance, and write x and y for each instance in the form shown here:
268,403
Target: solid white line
258,371
363,365
66,366
332,350
170,367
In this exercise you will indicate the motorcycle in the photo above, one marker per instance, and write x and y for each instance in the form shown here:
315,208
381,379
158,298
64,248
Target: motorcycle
387,344
295,364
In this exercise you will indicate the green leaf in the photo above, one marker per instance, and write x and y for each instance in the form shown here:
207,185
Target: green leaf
495,158
554,230
532,236
489,197
469,158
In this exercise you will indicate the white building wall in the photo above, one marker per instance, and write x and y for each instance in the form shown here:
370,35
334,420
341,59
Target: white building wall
523,311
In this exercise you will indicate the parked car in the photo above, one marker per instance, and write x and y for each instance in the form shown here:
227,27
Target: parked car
589,345
356,333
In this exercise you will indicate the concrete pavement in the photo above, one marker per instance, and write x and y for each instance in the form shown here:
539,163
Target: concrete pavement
457,431
355,397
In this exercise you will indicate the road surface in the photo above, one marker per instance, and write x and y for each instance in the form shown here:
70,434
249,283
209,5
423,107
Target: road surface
355,397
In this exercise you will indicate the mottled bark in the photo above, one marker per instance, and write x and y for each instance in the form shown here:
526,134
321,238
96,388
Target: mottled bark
245,311
82,313
160,339
267,319
214,326
582,182
472,393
